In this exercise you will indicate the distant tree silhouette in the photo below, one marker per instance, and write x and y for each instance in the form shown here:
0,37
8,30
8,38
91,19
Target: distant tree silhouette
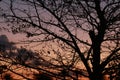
8,77
42,77
8,58
114,68
88,28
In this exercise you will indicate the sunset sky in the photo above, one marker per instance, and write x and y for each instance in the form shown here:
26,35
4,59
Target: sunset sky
68,35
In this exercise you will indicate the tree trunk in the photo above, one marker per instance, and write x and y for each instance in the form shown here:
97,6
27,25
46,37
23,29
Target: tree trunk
96,76
97,70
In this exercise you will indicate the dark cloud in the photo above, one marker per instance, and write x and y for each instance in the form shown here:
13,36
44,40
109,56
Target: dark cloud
4,42
3,39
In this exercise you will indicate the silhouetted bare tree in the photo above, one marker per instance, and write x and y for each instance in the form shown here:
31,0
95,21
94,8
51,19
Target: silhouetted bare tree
88,27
